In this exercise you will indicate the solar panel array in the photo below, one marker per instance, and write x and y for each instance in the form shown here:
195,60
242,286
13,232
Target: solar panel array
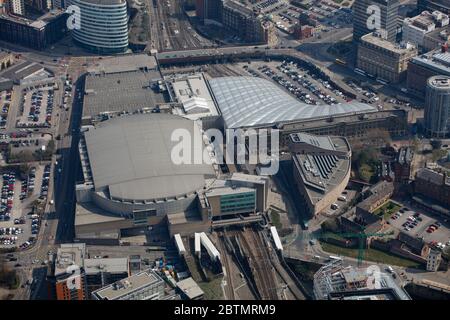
325,164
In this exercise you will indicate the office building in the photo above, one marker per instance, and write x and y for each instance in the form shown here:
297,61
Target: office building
384,59
436,39
433,186
403,165
248,25
37,34
437,107
104,27
16,7
101,272
363,12
333,281
421,68
60,4
432,5
415,29
321,169
66,277
209,10
240,194
145,285
433,260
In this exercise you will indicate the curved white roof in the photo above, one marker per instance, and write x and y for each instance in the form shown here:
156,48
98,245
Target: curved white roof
131,157
252,101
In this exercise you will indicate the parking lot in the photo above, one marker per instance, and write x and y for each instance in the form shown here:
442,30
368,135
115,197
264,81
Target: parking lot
36,107
417,224
18,223
5,104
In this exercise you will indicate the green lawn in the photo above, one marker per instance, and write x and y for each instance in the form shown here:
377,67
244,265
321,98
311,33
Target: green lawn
371,255
275,217
387,209
212,289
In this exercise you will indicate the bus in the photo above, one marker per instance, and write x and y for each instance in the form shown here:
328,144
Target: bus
341,62
335,258
359,71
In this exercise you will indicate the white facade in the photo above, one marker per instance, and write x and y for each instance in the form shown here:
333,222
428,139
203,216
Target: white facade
415,29
17,7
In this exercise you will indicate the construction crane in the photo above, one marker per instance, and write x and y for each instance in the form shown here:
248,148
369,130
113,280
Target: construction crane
360,235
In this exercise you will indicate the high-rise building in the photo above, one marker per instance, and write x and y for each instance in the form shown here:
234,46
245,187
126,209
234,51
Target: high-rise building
437,106
39,5
371,15
16,7
66,277
104,26
209,9
60,4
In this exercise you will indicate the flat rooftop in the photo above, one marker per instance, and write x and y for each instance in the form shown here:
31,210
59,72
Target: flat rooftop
436,60
36,21
69,255
110,265
87,213
190,288
383,43
193,93
227,190
22,70
128,285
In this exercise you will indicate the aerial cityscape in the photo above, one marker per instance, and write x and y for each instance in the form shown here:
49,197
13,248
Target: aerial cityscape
225,150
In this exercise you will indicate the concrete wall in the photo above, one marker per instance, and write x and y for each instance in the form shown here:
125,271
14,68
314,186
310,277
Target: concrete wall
162,208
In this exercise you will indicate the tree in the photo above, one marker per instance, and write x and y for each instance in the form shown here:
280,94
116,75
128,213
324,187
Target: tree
436,144
446,253
330,225
438,154
415,144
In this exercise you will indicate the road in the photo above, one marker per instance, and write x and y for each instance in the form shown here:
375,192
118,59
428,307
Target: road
58,219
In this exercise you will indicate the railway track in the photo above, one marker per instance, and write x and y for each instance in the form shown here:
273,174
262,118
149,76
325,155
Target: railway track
229,288
260,264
